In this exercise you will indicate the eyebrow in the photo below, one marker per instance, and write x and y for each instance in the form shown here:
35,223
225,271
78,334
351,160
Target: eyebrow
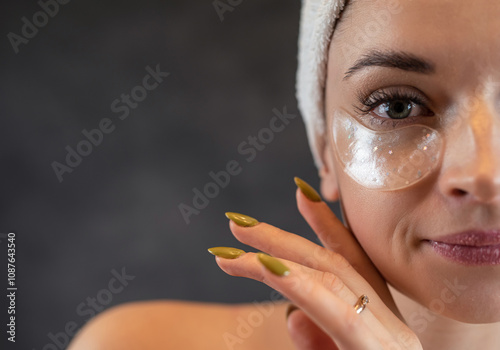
391,59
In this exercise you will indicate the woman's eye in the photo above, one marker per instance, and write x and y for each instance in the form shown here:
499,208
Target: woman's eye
399,109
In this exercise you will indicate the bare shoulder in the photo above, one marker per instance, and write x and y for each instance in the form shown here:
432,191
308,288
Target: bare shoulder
186,325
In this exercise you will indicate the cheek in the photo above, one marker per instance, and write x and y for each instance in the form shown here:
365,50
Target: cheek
372,215
390,226
384,222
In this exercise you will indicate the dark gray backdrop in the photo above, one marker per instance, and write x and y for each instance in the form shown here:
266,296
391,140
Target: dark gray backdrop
119,207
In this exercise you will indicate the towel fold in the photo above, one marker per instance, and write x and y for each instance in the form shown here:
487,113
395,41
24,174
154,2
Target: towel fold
318,19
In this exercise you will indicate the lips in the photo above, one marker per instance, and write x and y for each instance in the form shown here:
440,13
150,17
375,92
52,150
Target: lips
470,247
472,238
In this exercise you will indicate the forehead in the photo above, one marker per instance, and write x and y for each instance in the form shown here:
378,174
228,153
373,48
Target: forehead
462,31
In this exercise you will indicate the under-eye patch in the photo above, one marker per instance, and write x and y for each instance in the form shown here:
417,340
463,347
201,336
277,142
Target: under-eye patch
385,160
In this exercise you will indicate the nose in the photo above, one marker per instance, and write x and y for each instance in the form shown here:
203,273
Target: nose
471,160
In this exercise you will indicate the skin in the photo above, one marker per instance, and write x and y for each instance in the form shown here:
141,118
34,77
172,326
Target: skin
385,239
461,194
464,193
161,324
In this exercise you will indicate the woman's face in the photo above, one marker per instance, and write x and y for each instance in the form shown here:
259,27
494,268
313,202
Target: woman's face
452,85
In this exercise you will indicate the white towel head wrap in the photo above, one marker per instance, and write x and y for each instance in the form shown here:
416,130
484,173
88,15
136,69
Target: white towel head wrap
318,20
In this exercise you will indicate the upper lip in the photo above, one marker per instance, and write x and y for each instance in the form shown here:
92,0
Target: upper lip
475,238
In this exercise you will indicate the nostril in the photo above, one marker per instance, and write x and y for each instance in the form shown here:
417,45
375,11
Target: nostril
458,192
473,185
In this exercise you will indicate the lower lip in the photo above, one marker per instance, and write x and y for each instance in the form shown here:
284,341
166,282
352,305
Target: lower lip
468,255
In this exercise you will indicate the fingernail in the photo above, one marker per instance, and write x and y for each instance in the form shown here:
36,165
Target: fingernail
291,308
273,264
307,190
226,252
241,220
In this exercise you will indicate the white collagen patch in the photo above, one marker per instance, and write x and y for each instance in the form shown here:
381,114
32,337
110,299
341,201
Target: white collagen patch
386,160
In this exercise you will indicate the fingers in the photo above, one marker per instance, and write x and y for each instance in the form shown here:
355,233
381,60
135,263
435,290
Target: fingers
330,231
289,246
336,237
322,296
320,281
286,245
306,335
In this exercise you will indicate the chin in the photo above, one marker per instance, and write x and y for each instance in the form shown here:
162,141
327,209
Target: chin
475,304
478,300
471,297
481,305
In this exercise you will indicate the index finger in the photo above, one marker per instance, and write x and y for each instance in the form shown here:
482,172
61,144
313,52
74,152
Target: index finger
336,237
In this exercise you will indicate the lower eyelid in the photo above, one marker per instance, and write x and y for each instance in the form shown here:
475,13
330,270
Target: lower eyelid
389,123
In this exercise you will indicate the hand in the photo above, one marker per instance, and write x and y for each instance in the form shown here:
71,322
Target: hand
324,282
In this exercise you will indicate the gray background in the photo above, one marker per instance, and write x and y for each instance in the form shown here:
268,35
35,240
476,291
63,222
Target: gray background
119,207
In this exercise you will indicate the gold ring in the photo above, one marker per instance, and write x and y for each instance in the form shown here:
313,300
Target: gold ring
361,303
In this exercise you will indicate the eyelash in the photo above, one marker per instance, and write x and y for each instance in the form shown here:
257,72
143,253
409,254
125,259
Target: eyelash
368,102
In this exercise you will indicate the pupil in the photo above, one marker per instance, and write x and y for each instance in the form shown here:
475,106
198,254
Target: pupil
399,109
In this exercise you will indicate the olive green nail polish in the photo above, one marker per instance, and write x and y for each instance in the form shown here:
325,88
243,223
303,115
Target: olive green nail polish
273,264
307,190
241,220
226,252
